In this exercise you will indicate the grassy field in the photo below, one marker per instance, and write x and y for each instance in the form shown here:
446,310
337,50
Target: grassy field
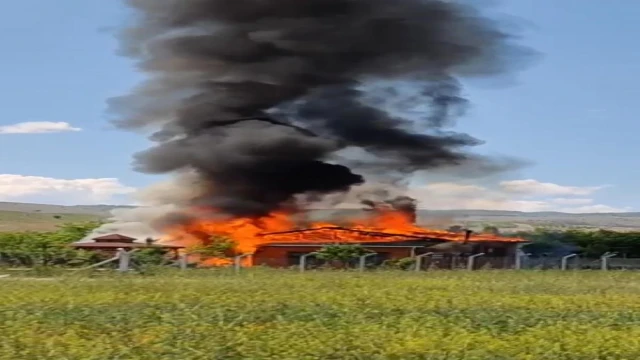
36,221
269,314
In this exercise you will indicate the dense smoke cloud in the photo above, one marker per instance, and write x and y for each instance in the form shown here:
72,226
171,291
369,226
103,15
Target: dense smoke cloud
258,97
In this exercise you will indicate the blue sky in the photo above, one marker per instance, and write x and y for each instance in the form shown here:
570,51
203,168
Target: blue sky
573,114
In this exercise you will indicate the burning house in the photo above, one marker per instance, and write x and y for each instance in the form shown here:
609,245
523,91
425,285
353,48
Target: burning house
276,241
260,108
449,250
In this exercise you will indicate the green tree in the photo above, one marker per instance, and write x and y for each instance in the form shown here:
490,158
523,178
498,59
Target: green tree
342,253
490,229
45,248
589,243
152,256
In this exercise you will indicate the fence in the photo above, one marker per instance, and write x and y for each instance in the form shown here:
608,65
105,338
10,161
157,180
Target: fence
579,263
430,261
124,261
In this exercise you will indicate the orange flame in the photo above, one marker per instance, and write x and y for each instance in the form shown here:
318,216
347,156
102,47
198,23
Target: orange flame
279,227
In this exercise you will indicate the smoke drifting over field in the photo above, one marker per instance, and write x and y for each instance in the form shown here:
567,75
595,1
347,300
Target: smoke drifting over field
262,99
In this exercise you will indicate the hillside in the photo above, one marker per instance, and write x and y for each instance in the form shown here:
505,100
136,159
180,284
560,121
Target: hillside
99,210
42,217
33,221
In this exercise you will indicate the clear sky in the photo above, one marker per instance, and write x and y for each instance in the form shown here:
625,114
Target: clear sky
573,114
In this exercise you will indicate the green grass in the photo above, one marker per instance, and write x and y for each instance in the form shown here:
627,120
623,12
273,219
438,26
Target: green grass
34,221
272,314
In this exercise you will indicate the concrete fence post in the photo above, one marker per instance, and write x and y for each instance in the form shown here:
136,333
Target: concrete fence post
182,261
303,261
412,253
123,260
363,261
564,261
237,262
519,256
604,260
472,260
419,260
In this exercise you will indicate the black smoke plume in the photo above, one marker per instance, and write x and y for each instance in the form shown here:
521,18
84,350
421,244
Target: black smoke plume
258,96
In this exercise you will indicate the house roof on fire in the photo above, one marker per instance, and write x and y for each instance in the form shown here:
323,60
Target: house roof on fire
385,244
331,234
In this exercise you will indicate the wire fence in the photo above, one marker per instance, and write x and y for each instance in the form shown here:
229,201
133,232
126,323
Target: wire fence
449,262
581,263
126,261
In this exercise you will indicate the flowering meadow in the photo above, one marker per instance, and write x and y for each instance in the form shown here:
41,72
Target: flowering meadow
285,315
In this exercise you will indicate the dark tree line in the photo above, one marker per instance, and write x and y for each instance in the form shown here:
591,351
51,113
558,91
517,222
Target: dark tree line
587,243
30,248
43,249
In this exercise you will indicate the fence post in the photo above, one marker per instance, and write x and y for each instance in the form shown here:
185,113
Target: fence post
237,262
604,260
519,255
363,260
182,261
303,261
563,262
419,260
123,257
472,260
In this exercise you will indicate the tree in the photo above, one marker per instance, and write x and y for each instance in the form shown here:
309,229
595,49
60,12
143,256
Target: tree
151,256
30,248
342,253
490,229
587,243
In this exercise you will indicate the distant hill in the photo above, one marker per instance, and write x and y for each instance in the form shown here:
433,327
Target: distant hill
99,210
44,217
41,217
